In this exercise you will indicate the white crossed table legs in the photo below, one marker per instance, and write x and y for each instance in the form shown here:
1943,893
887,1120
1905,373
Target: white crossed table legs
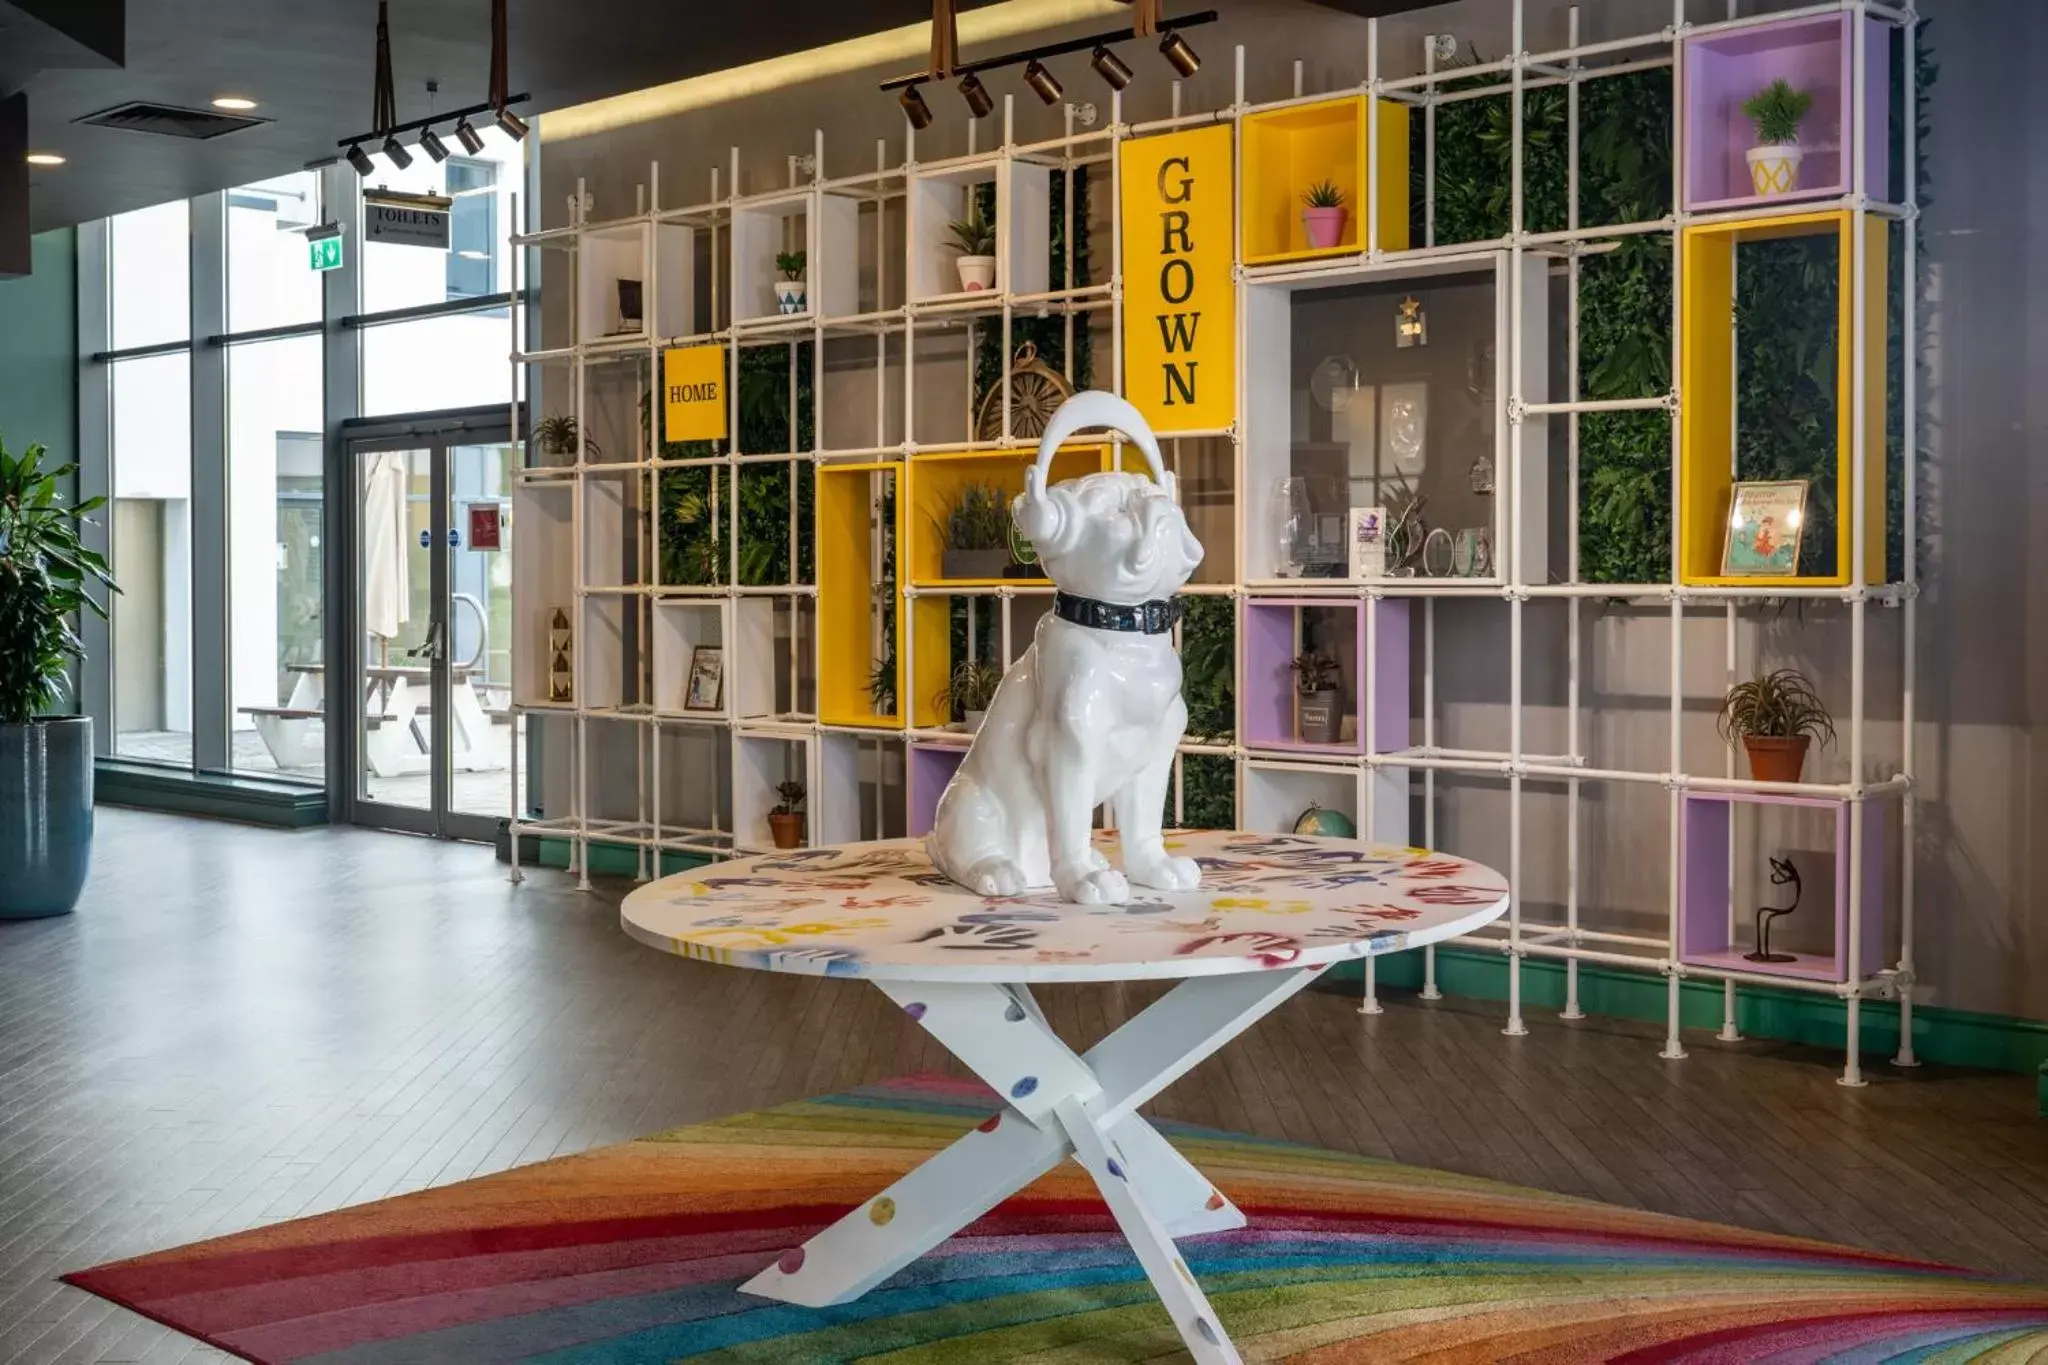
1060,1105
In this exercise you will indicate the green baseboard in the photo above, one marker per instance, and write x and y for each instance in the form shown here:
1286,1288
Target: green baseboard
1992,1042
223,796
606,860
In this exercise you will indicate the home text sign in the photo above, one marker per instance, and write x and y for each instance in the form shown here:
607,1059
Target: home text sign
693,394
1180,306
410,220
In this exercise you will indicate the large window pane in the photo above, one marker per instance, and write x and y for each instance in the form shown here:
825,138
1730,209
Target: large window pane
277,600
271,281
151,527
458,361
479,226
150,262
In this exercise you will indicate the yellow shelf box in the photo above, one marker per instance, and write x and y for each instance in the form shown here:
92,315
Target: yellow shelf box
1285,151
856,597
1707,423
934,482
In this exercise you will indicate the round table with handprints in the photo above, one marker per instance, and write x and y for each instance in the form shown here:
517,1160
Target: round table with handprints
1274,912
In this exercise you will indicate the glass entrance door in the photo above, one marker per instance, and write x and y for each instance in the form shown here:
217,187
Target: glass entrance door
429,684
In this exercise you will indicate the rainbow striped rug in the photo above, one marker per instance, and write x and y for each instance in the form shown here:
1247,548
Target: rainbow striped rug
632,1253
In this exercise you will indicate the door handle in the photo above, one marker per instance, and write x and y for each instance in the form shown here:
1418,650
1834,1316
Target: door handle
434,648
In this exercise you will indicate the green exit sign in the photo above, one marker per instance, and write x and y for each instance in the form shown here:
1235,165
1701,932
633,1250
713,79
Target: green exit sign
326,253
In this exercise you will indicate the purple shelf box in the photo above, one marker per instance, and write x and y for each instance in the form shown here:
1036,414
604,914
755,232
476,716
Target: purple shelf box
1703,892
931,768
1723,68
1266,700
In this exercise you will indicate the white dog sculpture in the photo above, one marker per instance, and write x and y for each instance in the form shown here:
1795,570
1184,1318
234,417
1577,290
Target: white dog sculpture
1092,711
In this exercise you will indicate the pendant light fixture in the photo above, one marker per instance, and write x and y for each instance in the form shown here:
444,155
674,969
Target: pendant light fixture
1043,82
979,101
1183,58
1110,67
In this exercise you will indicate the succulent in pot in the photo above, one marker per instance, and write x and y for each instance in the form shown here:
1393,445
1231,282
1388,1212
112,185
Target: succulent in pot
789,287
1777,110
1323,215
974,237
786,820
1777,716
1319,703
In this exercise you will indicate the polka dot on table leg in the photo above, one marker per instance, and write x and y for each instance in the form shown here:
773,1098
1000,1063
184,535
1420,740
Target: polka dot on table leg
1023,1087
791,1261
915,1009
1207,1331
1215,1199
882,1212
1015,1013
1115,1169
989,1124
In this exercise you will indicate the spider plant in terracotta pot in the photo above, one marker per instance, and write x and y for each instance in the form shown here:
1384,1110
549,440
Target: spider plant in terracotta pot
786,820
1777,716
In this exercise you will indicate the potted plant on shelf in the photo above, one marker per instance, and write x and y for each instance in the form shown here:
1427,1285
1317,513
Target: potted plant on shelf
970,691
1323,217
882,686
977,533
1777,715
1319,705
786,821
45,760
1777,111
789,290
974,237
556,435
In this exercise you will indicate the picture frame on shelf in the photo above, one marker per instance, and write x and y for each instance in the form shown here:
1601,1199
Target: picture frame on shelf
1766,520
707,679
631,312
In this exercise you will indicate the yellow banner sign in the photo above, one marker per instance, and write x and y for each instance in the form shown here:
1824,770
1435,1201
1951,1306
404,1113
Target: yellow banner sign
1180,306
693,394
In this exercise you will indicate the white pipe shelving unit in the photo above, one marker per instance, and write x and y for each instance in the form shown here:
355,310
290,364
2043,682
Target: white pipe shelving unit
571,498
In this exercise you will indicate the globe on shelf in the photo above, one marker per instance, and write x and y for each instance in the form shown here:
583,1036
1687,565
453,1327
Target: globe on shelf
1327,824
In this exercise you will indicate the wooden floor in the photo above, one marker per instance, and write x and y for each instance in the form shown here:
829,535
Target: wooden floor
243,1025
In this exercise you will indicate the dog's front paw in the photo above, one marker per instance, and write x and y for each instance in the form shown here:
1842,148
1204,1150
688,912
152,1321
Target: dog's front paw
1086,885
996,877
1165,873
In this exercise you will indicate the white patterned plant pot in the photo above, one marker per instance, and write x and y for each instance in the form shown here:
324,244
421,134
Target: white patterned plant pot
789,296
1774,168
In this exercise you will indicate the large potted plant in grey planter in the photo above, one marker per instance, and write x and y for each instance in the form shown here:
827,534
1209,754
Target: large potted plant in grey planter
45,760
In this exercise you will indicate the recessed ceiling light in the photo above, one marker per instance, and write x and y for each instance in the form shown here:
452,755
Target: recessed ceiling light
45,159
235,102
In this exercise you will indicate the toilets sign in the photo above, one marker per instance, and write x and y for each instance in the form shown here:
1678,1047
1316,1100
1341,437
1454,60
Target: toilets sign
1180,306
693,393
406,219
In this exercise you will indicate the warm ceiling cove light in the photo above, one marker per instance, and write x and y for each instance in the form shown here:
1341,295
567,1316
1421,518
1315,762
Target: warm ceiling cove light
979,101
1175,49
44,159
1043,82
238,103
914,108
1111,68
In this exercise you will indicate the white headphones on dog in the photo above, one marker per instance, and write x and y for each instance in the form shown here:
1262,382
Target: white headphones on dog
1040,517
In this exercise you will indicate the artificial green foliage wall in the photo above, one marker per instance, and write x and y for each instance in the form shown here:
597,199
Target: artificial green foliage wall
692,539
1208,658
1048,334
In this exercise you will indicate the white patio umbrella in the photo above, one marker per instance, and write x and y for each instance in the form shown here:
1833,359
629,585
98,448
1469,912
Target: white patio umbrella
387,588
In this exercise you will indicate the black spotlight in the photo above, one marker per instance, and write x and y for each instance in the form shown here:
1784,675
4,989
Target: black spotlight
1043,82
360,159
400,157
914,108
431,144
1111,68
514,126
472,141
979,101
1175,49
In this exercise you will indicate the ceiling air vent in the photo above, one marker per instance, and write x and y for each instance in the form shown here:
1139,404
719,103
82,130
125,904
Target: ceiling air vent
168,120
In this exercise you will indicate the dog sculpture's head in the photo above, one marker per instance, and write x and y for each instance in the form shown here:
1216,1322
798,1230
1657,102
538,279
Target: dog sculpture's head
1116,537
